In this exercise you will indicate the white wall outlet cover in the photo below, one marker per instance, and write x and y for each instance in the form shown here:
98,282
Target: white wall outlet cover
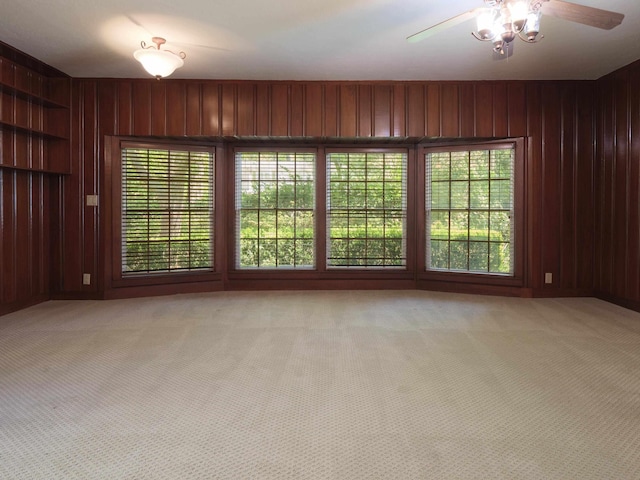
92,200
86,279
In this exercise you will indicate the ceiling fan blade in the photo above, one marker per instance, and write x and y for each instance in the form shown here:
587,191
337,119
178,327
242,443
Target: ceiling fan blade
137,23
198,45
437,28
594,17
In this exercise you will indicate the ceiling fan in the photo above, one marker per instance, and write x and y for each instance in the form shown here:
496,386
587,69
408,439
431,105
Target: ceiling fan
501,21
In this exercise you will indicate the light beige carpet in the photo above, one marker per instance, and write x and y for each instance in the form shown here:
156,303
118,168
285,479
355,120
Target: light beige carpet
320,385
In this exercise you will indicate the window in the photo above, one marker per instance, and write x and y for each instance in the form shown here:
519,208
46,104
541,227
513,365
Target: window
366,210
167,210
275,201
470,210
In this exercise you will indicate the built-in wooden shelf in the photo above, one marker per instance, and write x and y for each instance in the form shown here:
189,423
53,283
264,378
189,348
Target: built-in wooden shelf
30,131
36,170
31,97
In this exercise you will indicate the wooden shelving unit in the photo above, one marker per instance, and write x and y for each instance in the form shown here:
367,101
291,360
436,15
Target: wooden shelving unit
34,117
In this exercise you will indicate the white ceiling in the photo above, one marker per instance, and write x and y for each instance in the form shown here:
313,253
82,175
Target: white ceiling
307,40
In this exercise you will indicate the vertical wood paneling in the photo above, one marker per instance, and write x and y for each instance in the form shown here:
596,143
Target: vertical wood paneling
159,108
107,119
279,110
617,248
142,108
568,188
606,159
416,110
330,110
263,121
365,112
484,110
246,109
7,115
313,110
91,148
21,142
620,194
551,191
517,107
296,110
382,110
399,111
9,222
434,117
500,110
73,233
194,109
467,110
176,105
534,186
450,110
229,105
585,193
348,110
633,236
23,225
125,108
211,109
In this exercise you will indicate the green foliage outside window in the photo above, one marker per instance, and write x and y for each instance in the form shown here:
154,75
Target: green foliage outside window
470,211
366,210
275,205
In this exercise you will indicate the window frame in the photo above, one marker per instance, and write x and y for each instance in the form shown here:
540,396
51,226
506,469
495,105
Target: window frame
225,276
233,236
519,247
117,278
409,236
282,277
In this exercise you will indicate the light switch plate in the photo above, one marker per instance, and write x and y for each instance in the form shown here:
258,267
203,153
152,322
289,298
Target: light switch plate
92,200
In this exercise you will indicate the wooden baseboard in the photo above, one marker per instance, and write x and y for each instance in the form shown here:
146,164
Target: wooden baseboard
623,302
6,308
321,284
474,288
562,292
159,290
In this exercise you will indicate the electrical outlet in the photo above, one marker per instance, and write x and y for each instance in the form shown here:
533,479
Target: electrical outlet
548,277
92,200
86,279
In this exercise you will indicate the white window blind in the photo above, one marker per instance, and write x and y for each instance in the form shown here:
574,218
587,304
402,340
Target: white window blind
167,210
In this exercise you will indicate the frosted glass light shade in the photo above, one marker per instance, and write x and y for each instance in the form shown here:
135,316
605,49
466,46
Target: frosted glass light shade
485,23
159,63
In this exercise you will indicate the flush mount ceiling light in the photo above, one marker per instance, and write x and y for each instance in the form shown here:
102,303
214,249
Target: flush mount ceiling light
501,21
159,63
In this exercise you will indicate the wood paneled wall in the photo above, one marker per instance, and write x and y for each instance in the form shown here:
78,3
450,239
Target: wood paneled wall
617,246
557,118
28,204
24,241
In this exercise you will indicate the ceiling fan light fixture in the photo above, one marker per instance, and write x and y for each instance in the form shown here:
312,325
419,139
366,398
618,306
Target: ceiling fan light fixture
511,19
533,26
485,22
519,11
157,62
